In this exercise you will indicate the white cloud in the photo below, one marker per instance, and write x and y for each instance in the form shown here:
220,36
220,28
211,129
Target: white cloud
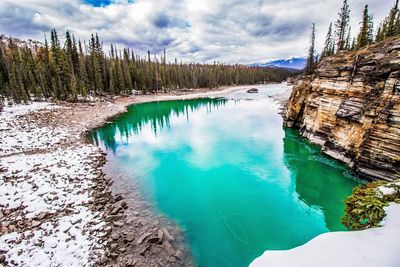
229,31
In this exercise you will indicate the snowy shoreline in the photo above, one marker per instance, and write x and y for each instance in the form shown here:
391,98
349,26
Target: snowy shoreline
57,206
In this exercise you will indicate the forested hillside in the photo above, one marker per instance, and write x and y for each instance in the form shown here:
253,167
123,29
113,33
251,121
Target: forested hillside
339,39
73,69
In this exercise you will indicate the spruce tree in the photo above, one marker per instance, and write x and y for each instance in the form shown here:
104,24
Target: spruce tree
329,43
310,67
365,36
342,26
353,44
392,19
348,38
378,36
83,82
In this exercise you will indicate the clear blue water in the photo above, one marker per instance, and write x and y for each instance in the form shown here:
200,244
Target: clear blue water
229,174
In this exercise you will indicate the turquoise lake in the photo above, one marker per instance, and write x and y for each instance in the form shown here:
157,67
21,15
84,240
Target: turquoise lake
228,173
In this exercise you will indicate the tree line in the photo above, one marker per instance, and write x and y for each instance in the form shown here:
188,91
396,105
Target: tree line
73,70
339,37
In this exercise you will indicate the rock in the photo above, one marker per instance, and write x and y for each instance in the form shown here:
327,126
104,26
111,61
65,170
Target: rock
180,255
113,246
36,223
143,237
167,235
115,236
114,255
76,220
118,224
172,259
111,218
129,261
252,91
160,235
143,250
124,205
103,260
168,247
129,237
118,198
2,258
152,240
115,210
351,107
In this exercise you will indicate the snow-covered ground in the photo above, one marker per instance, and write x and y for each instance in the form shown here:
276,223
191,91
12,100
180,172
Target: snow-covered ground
375,247
45,193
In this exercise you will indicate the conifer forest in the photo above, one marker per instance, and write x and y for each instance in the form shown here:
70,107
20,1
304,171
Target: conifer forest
71,69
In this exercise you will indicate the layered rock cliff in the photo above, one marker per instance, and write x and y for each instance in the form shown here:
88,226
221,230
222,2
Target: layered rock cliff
351,107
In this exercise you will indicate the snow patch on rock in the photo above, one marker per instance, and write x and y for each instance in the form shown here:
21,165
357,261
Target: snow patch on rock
386,190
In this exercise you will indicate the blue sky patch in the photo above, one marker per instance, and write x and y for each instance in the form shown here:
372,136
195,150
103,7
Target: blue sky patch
100,3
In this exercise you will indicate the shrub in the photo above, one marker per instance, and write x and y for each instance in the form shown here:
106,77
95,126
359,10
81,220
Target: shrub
365,207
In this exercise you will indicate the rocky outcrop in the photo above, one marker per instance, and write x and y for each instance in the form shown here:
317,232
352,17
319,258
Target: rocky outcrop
351,107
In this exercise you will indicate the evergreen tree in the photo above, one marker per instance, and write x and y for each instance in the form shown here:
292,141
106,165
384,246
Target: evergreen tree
342,26
365,36
353,44
83,82
96,60
310,67
348,38
391,21
329,47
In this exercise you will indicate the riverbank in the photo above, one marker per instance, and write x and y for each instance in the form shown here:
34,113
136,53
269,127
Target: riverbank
58,207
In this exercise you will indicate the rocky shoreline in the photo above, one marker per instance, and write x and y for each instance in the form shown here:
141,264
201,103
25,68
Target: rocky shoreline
350,107
58,205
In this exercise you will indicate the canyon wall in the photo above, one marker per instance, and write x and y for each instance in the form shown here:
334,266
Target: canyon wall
351,107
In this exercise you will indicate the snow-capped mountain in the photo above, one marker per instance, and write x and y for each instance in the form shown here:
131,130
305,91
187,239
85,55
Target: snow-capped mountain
292,63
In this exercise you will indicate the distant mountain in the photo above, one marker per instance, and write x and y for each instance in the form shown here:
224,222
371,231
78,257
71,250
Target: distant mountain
292,63
5,40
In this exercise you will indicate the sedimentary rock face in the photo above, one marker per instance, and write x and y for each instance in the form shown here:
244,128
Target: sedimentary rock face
351,107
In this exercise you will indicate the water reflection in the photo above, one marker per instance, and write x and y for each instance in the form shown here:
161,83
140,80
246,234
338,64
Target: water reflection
156,114
319,179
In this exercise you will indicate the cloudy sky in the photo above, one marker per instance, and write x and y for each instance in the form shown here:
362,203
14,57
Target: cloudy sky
231,31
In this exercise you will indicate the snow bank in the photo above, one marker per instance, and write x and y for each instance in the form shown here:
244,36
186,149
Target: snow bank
45,192
21,109
375,247
20,133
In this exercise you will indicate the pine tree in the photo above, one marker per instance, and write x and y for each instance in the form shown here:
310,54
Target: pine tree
348,38
365,36
378,36
329,43
96,58
310,67
392,19
384,30
342,26
83,82
46,71
353,44
371,29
